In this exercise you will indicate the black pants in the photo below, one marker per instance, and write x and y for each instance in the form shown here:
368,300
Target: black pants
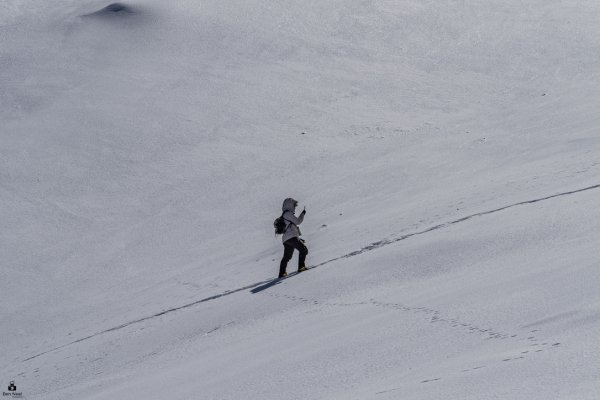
289,246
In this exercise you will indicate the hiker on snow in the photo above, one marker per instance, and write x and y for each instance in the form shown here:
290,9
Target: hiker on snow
291,236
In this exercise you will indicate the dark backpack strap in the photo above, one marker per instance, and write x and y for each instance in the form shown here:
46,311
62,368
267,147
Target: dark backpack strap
291,223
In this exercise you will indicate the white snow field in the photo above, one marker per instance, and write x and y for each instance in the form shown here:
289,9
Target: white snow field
447,153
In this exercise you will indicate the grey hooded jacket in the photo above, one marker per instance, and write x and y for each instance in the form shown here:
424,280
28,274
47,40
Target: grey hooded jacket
291,221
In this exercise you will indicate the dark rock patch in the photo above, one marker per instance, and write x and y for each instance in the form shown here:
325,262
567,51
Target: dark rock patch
114,10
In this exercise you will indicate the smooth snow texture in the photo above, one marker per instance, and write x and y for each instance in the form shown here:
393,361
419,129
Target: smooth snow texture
447,153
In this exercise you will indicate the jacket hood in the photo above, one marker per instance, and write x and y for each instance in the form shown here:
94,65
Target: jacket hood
288,205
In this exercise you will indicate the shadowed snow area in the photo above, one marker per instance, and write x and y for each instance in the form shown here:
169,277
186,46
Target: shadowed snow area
447,153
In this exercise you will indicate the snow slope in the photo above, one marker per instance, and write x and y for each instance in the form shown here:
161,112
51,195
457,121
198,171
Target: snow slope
447,154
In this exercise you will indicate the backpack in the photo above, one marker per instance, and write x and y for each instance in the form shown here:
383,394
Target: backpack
279,225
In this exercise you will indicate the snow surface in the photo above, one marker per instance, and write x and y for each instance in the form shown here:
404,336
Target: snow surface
447,153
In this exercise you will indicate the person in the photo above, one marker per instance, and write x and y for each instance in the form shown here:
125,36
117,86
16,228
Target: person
291,236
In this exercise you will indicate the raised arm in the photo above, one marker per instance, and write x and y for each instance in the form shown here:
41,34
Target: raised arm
289,215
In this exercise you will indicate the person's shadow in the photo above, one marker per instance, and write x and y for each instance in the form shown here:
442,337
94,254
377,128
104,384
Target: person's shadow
272,283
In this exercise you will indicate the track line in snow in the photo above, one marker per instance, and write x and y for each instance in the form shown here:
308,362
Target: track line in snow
385,242
126,324
271,282
524,344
